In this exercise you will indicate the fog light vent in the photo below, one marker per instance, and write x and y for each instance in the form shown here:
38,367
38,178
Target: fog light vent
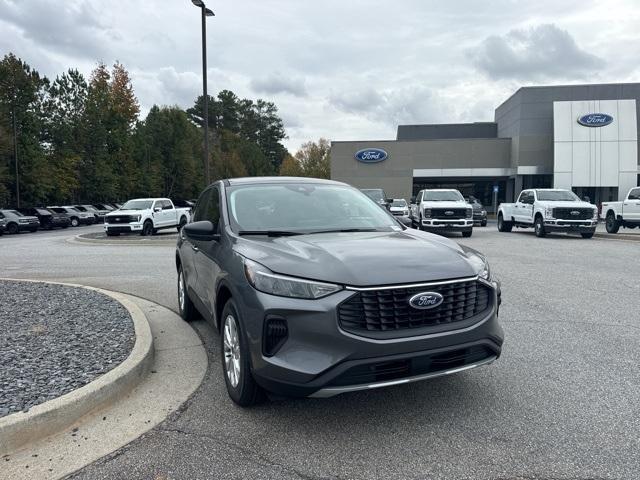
275,334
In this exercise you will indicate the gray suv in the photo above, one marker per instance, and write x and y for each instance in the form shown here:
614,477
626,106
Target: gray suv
316,291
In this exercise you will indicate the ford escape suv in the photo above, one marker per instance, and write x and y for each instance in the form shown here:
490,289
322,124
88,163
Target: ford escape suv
317,291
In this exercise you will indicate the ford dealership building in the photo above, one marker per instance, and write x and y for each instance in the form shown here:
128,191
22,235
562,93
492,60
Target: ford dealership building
579,137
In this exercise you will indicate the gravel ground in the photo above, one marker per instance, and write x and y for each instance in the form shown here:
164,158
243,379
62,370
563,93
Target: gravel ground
55,339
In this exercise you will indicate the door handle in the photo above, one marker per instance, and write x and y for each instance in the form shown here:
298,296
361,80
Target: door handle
194,248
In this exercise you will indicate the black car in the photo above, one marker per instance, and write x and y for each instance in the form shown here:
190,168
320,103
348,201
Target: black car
325,293
479,212
48,219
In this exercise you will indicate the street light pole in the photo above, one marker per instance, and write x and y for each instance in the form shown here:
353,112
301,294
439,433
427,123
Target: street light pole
15,155
205,12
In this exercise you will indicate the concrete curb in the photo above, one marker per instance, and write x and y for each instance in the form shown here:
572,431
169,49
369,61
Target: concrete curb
18,429
618,236
123,241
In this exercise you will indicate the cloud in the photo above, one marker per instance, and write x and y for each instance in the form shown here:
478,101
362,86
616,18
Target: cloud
539,53
278,83
411,104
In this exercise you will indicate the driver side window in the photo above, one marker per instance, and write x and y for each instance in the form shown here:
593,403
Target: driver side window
634,194
208,207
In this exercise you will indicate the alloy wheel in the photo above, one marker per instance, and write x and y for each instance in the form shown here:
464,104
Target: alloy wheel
231,351
181,292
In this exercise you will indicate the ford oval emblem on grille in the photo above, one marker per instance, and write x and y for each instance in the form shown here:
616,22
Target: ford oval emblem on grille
448,212
575,212
426,300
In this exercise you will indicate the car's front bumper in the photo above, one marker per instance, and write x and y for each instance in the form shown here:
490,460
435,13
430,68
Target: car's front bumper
444,224
123,227
582,226
319,358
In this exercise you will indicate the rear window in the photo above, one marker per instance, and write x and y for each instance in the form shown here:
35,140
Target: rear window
399,203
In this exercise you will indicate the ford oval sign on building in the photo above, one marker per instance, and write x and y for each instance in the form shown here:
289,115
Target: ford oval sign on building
595,120
371,155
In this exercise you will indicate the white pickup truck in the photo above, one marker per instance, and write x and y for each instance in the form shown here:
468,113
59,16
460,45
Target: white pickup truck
549,210
622,214
146,216
440,210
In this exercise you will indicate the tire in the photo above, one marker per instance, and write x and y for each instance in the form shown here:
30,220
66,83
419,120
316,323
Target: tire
186,307
74,222
419,225
538,225
147,229
467,233
483,223
12,228
587,234
183,222
236,366
503,225
611,223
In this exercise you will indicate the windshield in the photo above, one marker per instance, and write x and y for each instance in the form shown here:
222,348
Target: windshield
399,203
442,196
137,205
557,195
42,211
374,194
304,208
58,210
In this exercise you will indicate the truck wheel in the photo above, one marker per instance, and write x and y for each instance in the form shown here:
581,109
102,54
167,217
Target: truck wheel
183,222
504,226
587,234
467,233
147,229
539,227
611,223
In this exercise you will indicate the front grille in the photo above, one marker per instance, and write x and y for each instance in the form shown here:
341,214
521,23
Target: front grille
453,213
389,310
566,213
275,334
121,219
421,365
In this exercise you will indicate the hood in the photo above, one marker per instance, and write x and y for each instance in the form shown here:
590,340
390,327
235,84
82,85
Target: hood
119,213
362,258
398,209
446,204
558,203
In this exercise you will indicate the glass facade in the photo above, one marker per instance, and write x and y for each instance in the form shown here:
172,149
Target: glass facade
479,187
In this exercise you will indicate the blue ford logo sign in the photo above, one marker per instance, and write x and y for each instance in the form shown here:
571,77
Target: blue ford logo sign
426,300
595,120
371,155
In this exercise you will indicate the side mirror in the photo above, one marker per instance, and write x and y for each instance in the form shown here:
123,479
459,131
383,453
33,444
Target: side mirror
157,209
586,199
413,200
389,200
204,231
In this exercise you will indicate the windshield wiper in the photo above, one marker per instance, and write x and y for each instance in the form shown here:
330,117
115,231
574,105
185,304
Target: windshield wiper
270,233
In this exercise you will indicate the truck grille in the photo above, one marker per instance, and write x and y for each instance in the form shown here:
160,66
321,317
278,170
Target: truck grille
384,310
452,213
569,213
121,219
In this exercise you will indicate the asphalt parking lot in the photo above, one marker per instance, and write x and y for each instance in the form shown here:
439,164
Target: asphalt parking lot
563,401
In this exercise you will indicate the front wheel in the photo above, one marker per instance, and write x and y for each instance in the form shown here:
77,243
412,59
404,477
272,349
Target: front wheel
12,228
147,229
612,224
183,222
503,225
467,233
483,223
188,310
236,367
539,228
587,234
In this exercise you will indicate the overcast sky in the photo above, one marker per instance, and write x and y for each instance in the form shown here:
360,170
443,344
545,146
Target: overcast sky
344,70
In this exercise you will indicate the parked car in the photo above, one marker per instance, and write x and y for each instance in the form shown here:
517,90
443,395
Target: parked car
99,216
17,222
443,210
378,196
47,218
184,204
624,214
399,207
479,212
146,216
76,217
549,210
104,208
302,311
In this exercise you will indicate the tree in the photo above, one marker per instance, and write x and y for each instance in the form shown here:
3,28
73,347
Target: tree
291,167
314,159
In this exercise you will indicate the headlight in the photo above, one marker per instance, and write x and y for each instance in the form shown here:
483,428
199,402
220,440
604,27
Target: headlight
469,212
264,280
23,220
595,214
139,217
481,265
483,213
548,212
406,212
427,212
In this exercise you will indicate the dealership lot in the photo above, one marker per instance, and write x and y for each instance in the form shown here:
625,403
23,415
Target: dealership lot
561,402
